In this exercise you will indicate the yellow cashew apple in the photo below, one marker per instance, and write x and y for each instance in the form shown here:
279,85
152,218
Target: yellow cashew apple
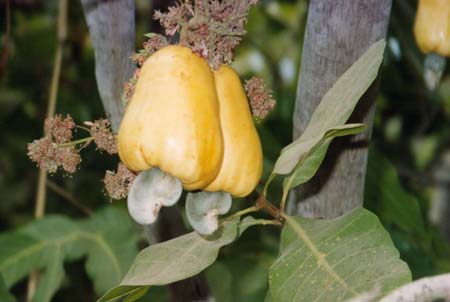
193,123
432,26
172,121
242,160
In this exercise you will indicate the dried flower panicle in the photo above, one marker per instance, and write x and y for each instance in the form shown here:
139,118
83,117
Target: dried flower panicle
70,158
59,129
261,99
49,156
118,184
211,28
129,86
154,43
49,152
103,137
178,15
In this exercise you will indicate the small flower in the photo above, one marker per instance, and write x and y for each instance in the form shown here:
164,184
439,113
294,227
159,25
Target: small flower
44,153
104,138
154,43
69,158
175,17
128,87
211,28
49,156
261,99
118,184
59,129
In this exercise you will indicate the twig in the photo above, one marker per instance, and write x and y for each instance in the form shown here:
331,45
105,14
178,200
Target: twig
42,179
69,197
425,290
262,203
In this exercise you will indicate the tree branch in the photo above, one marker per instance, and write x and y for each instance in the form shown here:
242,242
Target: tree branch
425,290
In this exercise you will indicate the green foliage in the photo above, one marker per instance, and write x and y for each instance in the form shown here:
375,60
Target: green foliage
4,294
335,260
308,166
400,211
47,243
174,260
334,109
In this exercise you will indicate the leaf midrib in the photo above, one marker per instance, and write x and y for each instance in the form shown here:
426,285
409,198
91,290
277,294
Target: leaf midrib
321,259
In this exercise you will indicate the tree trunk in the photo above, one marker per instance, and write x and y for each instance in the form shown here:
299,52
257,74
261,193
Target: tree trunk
112,29
337,33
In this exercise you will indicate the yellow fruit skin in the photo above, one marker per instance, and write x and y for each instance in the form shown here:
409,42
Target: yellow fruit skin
432,26
172,121
242,160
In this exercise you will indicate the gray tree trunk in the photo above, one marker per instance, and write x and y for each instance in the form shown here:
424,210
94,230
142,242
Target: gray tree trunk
337,33
112,29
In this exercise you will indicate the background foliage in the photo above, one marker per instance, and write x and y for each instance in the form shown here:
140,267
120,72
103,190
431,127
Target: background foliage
406,184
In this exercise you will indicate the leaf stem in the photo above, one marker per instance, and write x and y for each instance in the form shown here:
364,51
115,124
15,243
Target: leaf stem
77,142
262,222
242,212
286,189
266,186
263,204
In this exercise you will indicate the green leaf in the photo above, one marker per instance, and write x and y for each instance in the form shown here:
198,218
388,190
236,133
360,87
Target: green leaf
347,129
112,247
47,243
33,247
5,296
127,293
338,258
52,277
308,167
385,194
335,108
176,259
179,258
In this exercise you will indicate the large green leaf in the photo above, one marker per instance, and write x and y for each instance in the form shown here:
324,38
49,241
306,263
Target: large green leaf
400,212
310,163
385,194
179,258
34,247
335,108
334,260
47,243
5,296
112,247
175,259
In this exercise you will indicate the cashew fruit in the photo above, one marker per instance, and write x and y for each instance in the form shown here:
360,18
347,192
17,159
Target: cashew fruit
242,159
193,123
432,26
172,121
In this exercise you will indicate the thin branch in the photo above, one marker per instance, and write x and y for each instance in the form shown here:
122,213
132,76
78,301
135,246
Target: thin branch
424,290
42,179
69,197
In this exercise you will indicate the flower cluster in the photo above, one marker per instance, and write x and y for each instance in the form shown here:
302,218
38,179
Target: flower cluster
211,28
53,151
103,137
128,87
261,99
154,43
117,184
